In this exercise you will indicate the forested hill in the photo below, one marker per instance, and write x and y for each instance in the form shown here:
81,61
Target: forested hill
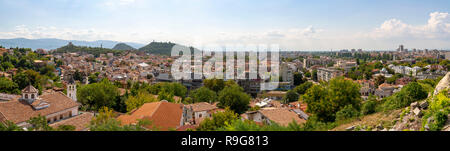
96,51
123,46
160,48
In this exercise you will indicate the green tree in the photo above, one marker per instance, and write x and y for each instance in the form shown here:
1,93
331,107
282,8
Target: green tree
134,102
291,96
214,84
9,126
167,89
298,79
105,121
23,79
235,98
410,93
203,94
301,89
379,80
346,113
314,75
218,120
96,95
39,123
8,86
369,106
327,99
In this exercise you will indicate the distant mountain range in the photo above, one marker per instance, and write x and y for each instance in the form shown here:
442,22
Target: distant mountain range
50,44
94,47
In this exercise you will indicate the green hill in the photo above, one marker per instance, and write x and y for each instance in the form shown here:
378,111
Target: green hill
123,46
96,51
161,48
158,48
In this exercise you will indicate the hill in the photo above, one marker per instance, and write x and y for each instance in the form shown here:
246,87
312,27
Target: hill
161,48
158,48
96,51
51,43
123,46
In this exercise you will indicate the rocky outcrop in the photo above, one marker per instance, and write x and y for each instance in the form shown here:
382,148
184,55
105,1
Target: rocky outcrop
443,84
411,117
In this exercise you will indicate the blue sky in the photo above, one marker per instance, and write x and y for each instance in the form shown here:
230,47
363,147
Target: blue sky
294,24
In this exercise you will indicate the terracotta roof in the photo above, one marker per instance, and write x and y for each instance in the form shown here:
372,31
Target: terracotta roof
81,122
202,106
281,116
30,89
19,111
384,85
164,115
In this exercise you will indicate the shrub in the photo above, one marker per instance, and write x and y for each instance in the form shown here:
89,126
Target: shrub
346,113
368,107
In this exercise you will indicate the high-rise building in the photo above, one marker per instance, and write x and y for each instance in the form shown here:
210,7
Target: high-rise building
401,48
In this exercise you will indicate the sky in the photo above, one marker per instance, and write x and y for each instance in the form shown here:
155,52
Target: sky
292,24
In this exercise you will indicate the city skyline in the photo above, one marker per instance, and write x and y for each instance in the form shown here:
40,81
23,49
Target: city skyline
295,25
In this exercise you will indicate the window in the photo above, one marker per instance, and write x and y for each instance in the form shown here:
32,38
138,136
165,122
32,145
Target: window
61,117
32,96
70,114
26,96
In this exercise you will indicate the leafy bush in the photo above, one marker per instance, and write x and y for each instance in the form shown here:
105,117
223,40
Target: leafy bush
326,100
346,113
439,109
218,120
368,107
410,93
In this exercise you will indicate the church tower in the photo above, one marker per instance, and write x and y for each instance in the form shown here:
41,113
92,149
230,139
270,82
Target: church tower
72,89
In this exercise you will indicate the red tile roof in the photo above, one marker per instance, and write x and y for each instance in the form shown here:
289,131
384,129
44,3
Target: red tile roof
19,111
81,122
164,115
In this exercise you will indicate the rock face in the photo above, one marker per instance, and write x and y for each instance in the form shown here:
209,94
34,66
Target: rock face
443,84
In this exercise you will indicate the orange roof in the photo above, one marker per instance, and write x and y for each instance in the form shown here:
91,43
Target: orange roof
19,111
202,106
281,116
384,85
81,122
164,115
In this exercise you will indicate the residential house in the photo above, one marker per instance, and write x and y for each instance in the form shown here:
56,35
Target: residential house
200,111
385,90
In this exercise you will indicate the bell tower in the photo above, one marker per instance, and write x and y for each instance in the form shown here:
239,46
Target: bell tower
72,89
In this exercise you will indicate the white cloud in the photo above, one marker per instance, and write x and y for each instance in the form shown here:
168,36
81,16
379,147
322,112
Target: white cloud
437,27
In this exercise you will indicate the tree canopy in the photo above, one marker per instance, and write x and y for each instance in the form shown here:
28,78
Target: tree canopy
96,95
327,99
234,98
